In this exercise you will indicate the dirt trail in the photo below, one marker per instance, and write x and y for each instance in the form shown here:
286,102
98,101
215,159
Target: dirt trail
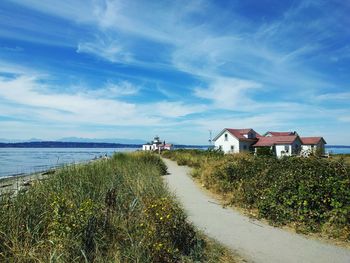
253,240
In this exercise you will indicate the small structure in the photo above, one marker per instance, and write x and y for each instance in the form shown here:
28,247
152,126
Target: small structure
157,145
281,145
313,145
236,140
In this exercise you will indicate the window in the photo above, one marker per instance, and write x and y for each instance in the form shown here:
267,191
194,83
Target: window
244,147
232,148
226,137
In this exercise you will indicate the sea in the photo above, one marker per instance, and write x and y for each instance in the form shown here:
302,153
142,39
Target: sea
20,161
338,150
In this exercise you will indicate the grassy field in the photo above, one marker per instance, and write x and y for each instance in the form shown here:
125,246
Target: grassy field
342,157
310,194
115,210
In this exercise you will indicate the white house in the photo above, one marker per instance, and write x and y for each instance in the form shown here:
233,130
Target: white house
286,145
157,145
313,144
236,140
281,143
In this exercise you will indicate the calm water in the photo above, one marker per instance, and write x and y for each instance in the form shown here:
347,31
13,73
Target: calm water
15,161
337,150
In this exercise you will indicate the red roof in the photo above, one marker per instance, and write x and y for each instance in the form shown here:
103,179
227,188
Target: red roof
311,140
239,133
275,140
280,133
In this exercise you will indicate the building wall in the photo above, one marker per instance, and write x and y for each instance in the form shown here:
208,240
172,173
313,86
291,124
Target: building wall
245,146
296,146
308,147
226,145
283,150
146,147
288,149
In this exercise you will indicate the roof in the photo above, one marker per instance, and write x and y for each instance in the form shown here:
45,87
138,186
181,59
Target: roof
238,133
280,133
275,140
311,140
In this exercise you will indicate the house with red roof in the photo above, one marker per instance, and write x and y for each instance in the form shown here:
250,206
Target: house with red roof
236,140
281,143
313,144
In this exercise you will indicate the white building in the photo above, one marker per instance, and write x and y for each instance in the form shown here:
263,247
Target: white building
236,140
157,145
280,143
313,145
286,145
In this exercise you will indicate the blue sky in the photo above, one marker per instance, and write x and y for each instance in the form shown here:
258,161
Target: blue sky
134,69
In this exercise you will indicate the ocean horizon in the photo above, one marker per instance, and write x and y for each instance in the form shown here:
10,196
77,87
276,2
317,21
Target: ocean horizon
20,161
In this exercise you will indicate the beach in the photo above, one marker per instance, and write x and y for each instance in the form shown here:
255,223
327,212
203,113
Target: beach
11,185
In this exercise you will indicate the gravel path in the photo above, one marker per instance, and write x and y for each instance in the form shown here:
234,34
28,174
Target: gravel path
253,240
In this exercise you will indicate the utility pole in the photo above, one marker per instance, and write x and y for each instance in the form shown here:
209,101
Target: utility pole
210,138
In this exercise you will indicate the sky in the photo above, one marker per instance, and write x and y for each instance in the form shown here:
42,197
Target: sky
177,69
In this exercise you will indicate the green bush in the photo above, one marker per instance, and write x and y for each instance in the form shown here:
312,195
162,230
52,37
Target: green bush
312,193
264,151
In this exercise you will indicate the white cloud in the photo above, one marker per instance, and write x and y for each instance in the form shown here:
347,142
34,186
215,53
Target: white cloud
38,102
112,90
345,118
173,109
341,96
109,50
228,93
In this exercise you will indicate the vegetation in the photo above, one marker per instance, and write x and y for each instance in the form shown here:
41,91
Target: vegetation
115,210
264,151
311,194
342,157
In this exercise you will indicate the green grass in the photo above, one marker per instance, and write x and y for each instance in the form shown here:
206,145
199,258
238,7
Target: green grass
345,157
116,210
311,194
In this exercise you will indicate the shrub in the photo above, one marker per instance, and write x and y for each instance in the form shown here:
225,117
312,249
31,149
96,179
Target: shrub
312,193
264,151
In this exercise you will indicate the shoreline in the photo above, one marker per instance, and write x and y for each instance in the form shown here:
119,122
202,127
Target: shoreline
12,184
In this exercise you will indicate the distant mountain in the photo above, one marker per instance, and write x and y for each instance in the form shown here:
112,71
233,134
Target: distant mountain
116,140
77,139
56,144
2,140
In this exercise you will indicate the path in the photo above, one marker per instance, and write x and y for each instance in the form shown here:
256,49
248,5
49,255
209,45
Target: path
251,239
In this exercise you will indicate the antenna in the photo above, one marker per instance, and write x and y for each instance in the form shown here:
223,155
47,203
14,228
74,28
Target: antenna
210,138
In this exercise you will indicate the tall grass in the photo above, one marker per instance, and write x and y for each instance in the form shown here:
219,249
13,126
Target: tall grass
115,210
313,194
